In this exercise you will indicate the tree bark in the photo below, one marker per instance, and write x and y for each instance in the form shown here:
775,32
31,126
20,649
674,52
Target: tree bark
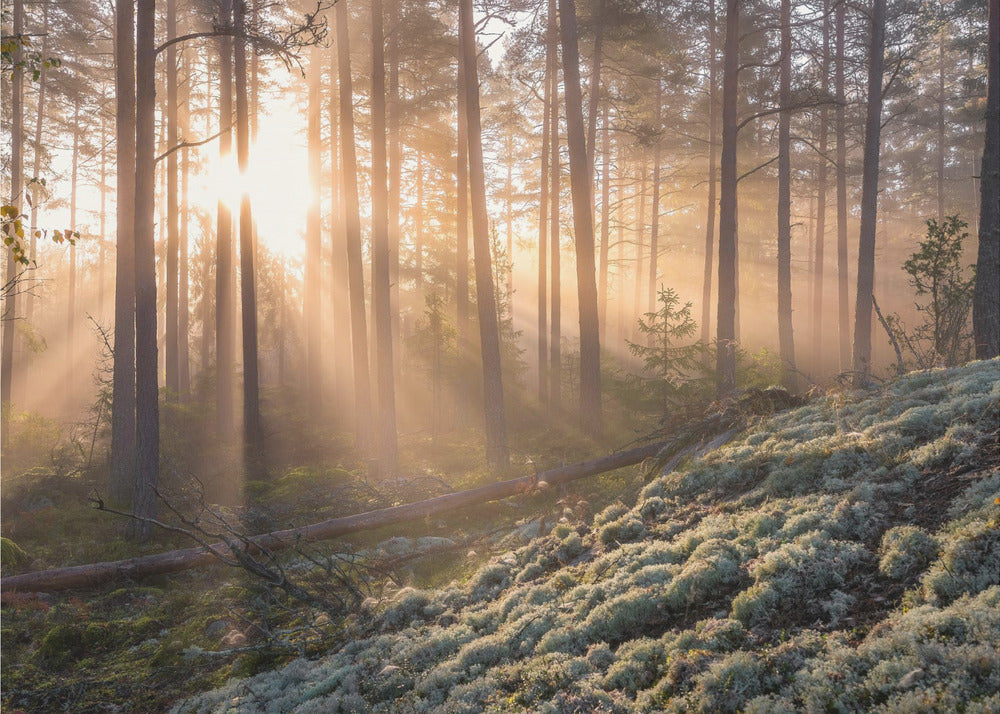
497,454
183,297
352,217
602,271
462,204
583,226
225,316
785,335
543,218
843,295
869,201
395,182
726,320
16,167
555,261
986,297
147,408
71,384
821,185
341,308
253,438
29,302
654,228
706,286
123,435
172,346
381,257
311,279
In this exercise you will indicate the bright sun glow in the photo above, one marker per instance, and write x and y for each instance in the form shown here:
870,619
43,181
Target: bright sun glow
277,181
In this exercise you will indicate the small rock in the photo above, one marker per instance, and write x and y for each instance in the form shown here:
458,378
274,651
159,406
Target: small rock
234,638
216,628
911,678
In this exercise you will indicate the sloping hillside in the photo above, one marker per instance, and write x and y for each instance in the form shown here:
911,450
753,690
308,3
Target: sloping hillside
844,556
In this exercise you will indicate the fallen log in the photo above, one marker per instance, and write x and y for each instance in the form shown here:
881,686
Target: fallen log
80,576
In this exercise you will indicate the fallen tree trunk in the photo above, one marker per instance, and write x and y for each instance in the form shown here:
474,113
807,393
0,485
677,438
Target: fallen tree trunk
92,574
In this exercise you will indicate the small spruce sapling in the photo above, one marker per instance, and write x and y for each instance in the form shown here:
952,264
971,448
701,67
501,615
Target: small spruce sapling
672,373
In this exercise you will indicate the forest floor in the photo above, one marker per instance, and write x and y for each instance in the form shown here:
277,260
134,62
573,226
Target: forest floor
844,556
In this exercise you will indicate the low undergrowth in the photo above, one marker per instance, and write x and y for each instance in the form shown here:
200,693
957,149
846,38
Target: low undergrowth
843,556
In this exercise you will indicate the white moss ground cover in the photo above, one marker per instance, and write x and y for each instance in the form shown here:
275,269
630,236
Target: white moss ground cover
803,567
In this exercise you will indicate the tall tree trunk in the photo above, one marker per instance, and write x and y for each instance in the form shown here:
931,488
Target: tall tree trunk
172,346
462,204
555,259
147,408
726,319
418,234
123,434
620,270
225,317
183,297
395,182
29,302
640,228
543,218
207,332
509,214
583,226
706,285
821,182
986,298
102,218
497,454
602,282
785,336
352,217
654,228
10,295
940,127
252,434
341,308
869,200
381,258
595,87
843,297
311,278
71,287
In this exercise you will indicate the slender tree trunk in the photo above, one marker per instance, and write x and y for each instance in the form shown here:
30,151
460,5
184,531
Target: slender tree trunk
785,336
595,87
940,128
102,219
71,287
395,184
654,229
462,203
543,218
29,302
555,259
311,279
706,285
583,226
418,233
183,297
16,159
497,454
147,408
252,434
640,228
381,258
225,318
726,320
620,269
986,298
341,308
355,269
509,215
869,201
123,433
207,332
821,186
843,295
172,346
602,283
